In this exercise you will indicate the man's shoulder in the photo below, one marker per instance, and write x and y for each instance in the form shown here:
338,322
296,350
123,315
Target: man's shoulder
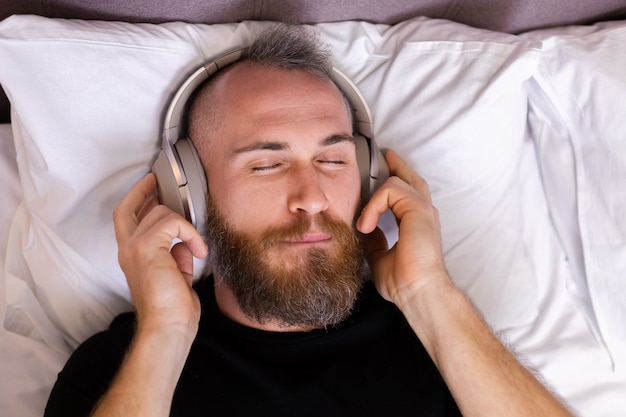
90,369
111,342
123,321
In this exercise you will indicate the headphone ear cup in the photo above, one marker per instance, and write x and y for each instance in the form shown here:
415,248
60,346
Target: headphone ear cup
372,166
189,198
167,185
379,171
196,183
363,161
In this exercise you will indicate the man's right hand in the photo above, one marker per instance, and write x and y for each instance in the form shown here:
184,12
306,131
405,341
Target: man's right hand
168,309
159,279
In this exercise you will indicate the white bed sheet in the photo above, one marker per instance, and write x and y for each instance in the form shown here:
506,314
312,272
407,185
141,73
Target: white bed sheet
28,368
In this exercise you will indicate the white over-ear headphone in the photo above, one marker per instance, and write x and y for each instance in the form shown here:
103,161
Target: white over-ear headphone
181,180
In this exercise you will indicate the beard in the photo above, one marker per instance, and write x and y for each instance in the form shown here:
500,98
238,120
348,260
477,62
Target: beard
314,288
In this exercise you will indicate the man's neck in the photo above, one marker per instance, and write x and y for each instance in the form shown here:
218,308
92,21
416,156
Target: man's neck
229,307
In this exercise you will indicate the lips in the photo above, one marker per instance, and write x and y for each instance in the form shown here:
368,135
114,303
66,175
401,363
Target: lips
303,231
312,237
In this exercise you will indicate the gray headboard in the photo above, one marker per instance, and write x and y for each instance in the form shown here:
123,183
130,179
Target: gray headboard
511,16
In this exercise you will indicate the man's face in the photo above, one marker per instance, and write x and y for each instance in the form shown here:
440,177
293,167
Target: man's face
284,184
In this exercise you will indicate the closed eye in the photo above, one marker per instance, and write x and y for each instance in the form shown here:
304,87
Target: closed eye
332,164
264,168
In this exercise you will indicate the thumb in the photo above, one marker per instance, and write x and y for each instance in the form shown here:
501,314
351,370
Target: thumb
375,246
184,260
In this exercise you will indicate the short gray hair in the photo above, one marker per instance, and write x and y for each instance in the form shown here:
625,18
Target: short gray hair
292,47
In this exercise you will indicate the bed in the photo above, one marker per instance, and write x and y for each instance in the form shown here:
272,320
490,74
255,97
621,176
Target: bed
512,110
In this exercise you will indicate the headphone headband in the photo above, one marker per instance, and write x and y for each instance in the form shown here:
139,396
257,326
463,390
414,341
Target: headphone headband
175,112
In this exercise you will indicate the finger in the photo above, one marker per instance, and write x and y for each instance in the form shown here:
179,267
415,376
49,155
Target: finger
150,218
385,198
148,205
371,213
169,226
125,216
403,170
375,246
184,260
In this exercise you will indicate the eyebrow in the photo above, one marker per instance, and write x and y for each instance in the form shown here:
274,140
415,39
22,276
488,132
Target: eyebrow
281,146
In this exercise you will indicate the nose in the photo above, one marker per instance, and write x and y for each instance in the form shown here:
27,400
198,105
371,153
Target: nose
306,194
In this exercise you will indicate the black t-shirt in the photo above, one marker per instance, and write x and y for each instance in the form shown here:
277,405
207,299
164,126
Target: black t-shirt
372,364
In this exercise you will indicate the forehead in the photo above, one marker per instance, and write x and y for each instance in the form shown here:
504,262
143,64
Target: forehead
262,96
247,104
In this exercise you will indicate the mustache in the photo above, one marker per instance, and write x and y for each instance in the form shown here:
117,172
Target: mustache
322,222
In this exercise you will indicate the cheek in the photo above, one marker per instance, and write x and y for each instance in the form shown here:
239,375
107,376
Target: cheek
345,196
247,209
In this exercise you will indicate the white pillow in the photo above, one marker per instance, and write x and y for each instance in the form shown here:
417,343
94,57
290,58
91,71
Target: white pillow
88,96
578,109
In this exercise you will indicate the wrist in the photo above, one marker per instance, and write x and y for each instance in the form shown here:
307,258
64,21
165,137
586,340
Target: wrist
172,334
429,290
433,306
180,322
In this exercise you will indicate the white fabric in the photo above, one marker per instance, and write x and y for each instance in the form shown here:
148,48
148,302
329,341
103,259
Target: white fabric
11,190
88,98
559,344
28,367
578,105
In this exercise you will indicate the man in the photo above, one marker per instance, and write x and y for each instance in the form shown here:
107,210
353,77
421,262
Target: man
289,323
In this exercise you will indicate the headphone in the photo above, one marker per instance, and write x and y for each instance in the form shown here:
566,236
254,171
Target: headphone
181,181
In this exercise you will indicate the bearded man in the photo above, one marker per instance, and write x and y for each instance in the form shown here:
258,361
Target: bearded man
292,321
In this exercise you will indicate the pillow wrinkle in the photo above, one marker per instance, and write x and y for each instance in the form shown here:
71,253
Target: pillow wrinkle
577,93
